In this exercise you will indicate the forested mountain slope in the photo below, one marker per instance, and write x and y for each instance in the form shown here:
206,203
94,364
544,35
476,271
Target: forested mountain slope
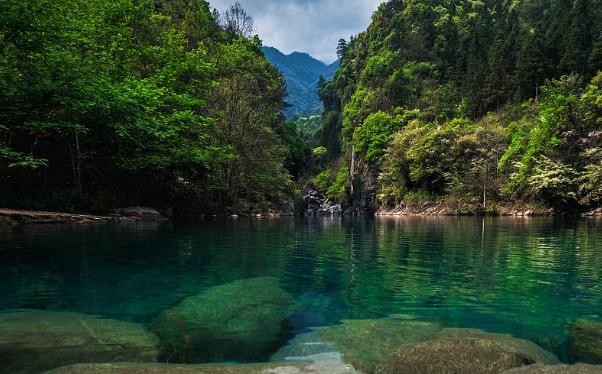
154,102
469,101
301,73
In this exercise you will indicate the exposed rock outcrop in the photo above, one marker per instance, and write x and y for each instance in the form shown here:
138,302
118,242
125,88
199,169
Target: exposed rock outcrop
594,213
141,214
314,204
234,321
32,341
16,217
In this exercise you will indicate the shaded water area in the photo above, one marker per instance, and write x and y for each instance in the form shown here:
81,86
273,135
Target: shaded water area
527,277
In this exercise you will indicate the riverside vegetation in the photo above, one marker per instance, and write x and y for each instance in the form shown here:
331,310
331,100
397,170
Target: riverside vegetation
168,104
474,103
117,103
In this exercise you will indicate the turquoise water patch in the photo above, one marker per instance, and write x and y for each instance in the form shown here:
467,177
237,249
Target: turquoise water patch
527,277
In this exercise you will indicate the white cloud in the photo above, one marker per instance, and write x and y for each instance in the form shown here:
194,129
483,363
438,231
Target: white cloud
312,26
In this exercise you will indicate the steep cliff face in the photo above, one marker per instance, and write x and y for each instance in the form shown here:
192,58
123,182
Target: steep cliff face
362,185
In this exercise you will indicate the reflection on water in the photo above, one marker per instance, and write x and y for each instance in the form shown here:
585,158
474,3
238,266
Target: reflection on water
528,277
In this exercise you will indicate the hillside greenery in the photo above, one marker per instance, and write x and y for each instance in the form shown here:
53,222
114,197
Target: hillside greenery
484,101
110,103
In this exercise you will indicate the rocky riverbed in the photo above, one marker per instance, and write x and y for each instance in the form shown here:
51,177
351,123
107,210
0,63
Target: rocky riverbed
245,318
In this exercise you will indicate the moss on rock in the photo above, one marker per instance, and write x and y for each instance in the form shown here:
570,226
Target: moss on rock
458,356
234,321
368,344
32,341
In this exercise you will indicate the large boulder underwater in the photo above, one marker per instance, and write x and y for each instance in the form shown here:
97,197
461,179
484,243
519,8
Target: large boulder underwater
241,321
32,341
392,345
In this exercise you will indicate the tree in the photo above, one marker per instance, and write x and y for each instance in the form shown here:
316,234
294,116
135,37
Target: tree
237,21
106,104
341,48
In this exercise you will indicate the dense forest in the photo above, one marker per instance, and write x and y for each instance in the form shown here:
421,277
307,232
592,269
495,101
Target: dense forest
166,103
112,103
468,102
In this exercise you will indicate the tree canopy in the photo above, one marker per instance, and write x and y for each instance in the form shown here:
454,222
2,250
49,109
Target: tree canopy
111,103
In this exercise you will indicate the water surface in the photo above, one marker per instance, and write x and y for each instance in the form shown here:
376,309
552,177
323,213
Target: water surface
527,277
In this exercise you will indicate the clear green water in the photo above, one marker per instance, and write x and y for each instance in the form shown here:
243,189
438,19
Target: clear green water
527,277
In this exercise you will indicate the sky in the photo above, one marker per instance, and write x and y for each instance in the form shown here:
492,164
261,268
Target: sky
312,26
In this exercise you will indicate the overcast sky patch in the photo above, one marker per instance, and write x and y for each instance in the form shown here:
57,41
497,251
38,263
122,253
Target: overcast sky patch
312,26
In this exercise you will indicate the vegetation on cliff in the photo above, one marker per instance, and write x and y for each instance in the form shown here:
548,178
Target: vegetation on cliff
482,101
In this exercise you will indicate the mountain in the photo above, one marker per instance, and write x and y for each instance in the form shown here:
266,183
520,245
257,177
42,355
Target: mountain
301,72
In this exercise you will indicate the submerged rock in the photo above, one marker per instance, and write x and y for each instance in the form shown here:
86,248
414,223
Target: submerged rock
234,321
556,369
366,343
309,347
32,341
507,342
372,345
458,356
585,342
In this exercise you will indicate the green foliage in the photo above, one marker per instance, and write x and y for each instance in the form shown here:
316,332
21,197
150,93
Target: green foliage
102,98
372,136
591,181
356,110
338,189
309,128
556,153
332,183
554,181
323,180
496,88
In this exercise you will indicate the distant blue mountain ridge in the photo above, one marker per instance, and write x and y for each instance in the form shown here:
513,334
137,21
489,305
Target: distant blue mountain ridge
301,73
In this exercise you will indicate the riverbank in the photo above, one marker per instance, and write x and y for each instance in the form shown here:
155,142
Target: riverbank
430,208
138,214
130,215
464,209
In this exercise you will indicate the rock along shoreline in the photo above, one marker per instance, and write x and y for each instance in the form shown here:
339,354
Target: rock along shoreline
127,215
316,208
